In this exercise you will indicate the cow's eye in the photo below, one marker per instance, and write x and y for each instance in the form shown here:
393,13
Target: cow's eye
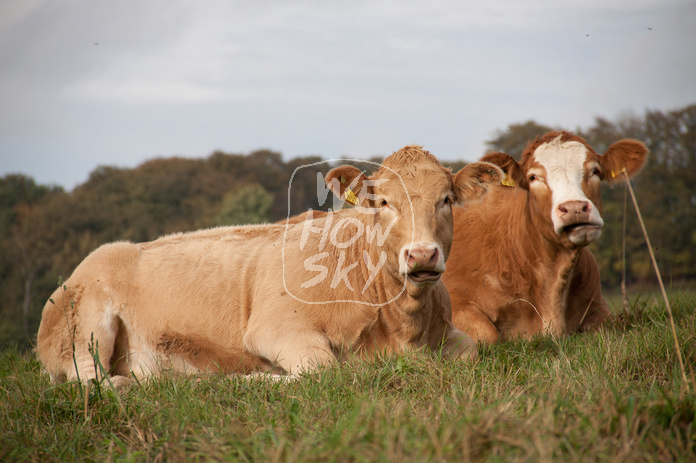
446,201
533,178
383,203
597,172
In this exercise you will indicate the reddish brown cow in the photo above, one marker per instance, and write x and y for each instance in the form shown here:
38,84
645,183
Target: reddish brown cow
519,264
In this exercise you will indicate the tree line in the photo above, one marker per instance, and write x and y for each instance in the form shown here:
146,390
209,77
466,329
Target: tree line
46,231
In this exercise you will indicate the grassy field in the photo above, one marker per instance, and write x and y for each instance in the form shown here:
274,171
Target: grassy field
614,395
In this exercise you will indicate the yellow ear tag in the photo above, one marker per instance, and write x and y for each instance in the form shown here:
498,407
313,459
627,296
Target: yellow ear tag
350,196
507,181
616,174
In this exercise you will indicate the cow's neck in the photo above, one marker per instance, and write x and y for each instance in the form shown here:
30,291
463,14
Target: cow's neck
539,268
401,322
552,276
400,319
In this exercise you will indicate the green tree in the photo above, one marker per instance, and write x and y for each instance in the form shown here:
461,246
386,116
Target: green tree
665,193
26,255
515,138
248,204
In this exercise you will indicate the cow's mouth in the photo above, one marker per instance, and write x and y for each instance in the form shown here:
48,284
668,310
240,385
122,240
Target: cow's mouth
582,234
579,227
423,276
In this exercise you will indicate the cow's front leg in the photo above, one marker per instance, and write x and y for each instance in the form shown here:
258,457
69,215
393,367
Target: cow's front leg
470,319
292,350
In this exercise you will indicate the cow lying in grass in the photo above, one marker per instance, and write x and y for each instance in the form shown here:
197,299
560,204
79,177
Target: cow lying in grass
274,298
519,264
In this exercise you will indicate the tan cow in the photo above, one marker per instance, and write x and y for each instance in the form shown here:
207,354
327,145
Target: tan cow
273,297
519,264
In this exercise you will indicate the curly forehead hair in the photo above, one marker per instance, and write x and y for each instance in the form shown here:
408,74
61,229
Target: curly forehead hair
409,160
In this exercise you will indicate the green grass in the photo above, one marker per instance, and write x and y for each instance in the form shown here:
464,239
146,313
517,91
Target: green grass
614,395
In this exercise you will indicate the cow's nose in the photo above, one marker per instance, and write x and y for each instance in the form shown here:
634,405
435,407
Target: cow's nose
573,208
425,257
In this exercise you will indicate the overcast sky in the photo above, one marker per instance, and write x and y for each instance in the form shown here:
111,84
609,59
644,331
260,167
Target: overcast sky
95,82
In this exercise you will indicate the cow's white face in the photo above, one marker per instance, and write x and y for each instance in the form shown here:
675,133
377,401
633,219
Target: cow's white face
563,175
572,176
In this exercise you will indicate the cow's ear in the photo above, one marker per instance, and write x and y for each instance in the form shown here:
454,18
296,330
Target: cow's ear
514,176
623,156
346,182
472,181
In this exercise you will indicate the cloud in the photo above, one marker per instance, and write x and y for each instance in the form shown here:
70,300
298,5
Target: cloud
13,12
86,83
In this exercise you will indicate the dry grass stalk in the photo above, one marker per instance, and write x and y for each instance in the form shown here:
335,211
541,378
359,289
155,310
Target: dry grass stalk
659,279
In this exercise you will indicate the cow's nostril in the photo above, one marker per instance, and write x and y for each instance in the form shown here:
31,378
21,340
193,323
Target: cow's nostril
407,256
433,256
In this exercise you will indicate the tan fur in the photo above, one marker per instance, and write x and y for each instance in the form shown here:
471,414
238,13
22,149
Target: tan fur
510,275
236,299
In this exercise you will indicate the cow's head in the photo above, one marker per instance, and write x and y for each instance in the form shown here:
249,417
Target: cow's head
410,198
563,175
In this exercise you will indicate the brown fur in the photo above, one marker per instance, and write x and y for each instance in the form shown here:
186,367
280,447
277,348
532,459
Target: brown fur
237,299
510,274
